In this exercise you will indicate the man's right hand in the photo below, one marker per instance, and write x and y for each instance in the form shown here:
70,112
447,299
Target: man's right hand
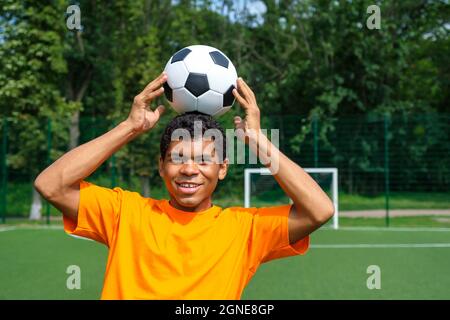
142,118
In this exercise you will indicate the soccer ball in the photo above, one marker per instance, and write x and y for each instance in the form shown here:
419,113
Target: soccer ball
200,78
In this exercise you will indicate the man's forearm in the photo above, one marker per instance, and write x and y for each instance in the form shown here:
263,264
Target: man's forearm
308,197
81,161
297,183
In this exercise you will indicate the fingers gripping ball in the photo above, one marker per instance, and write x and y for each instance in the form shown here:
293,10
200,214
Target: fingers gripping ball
200,78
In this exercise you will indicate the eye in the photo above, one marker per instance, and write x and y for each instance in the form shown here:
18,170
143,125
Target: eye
177,158
198,160
205,159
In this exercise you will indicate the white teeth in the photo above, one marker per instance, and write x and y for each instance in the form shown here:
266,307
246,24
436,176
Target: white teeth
188,185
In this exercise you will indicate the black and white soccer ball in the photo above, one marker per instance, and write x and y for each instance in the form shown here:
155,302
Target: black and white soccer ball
200,78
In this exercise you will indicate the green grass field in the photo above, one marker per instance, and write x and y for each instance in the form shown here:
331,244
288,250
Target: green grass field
414,265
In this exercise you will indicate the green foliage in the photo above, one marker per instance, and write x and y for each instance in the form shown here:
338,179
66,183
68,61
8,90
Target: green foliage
305,60
31,70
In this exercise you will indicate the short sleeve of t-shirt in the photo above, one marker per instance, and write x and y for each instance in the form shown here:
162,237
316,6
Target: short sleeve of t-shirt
270,236
98,213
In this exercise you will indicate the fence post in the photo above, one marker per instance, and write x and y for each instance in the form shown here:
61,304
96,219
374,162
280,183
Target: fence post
113,165
113,171
49,148
3,183
386,166
316,143
93,127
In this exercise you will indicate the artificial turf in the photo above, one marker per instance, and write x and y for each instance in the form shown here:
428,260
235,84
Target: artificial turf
33,264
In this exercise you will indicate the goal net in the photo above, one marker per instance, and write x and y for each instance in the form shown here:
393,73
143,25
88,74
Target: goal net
262,190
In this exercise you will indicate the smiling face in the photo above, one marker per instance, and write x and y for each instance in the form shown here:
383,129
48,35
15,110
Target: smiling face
191,170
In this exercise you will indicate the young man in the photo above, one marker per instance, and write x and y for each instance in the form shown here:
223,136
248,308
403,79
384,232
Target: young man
185,247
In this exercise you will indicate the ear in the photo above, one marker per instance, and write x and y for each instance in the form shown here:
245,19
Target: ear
160,167
223,169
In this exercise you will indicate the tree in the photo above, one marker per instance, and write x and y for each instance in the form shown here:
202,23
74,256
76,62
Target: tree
32,67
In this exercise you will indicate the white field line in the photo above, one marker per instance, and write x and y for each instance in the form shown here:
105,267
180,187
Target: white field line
393,229
2,229
81,238
381,246
314,246
326,228
402,229
11,228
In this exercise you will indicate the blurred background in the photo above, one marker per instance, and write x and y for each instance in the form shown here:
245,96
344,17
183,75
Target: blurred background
373,103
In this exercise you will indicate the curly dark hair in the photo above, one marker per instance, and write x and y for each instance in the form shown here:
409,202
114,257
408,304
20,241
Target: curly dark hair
186,121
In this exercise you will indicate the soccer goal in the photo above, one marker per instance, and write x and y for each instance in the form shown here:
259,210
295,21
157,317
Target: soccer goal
261,189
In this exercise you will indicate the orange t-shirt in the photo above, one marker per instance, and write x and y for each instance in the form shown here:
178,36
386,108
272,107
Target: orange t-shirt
159,252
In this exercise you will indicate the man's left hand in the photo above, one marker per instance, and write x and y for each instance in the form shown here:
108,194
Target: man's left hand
246,98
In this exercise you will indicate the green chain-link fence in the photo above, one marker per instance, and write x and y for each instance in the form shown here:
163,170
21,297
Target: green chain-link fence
380,156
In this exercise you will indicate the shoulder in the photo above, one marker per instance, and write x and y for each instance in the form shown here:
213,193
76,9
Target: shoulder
240,210
129,200
275,210
133,198
260,215
240,213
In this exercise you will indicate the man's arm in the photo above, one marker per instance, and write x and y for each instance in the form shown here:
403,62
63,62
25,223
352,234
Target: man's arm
59,183
311,206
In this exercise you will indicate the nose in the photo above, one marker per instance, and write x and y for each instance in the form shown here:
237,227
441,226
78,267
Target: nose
189,168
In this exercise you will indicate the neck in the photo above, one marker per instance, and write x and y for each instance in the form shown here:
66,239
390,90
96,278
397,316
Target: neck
202,206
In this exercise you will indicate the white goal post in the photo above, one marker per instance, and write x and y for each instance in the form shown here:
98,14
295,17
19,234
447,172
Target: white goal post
265,171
